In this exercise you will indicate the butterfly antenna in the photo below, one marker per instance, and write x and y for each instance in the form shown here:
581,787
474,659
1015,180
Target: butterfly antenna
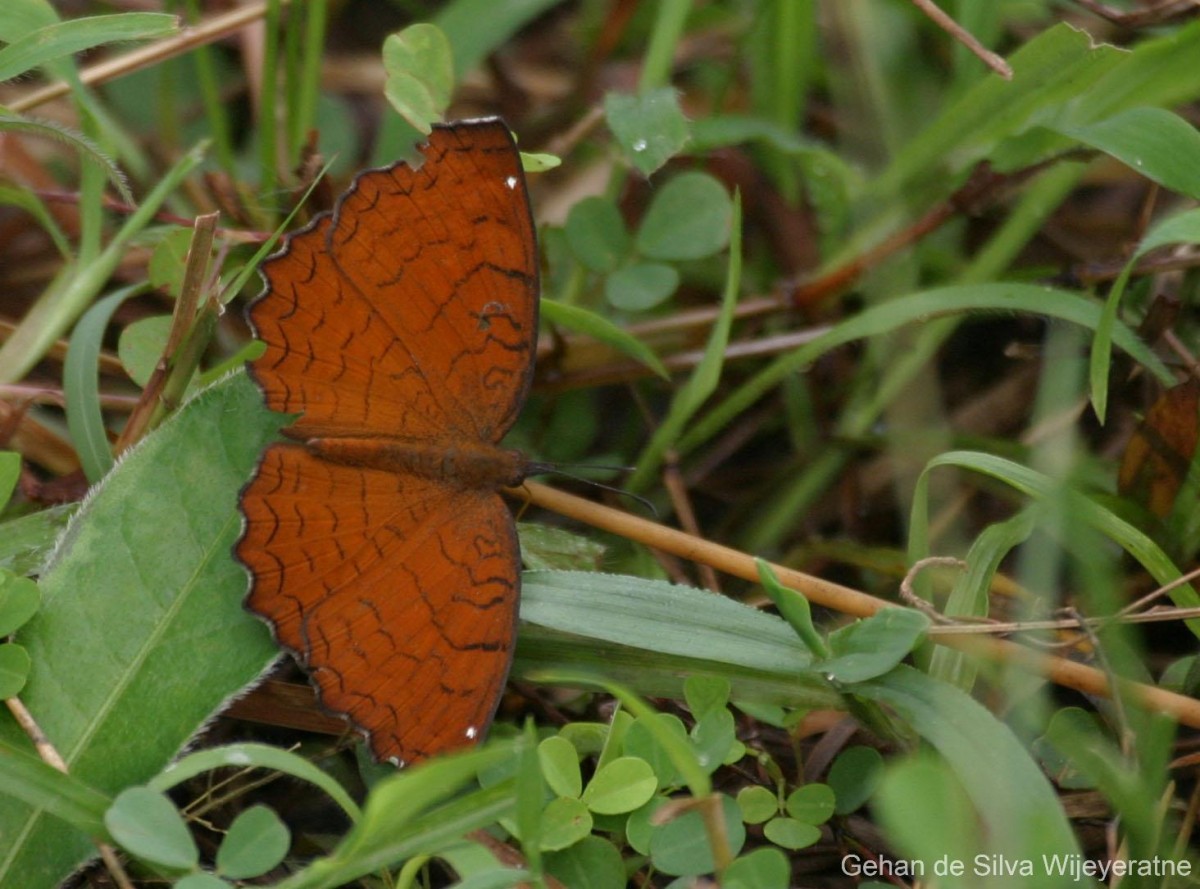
551,469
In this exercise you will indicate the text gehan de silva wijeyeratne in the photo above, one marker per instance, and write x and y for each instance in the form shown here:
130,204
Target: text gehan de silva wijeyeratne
1075,867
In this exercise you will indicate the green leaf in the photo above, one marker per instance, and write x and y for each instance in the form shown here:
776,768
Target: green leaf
142,634
600,328
255,842
704,694
681,847
592,863
641,741
19,601
10,474
202,881
62,39
1153,141
812,803
169,260
757,804
147,824
25,777
1017,808
596,234
565,821
714,736
461,22
707,374
640,286
81,386
1058,65
14,669
560,766
927,815
26,542
254,756
621,786
790,833
141,345
794,608
870,647
853,777
760,869
650,128
689,218
420,74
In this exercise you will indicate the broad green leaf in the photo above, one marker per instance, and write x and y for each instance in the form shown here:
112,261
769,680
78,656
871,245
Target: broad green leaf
142,633
689,218
650,128
147,824
26,778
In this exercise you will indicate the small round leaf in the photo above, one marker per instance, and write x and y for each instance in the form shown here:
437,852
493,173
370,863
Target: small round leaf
256,842
680,847
596,234
620,786
565,821
15,664
640,286
812,803
854,776
19,601
147,824
560,766
592,863
790,833
688,219
757,804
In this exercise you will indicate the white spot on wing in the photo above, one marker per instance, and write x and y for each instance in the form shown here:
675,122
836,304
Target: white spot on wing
472,733
511,181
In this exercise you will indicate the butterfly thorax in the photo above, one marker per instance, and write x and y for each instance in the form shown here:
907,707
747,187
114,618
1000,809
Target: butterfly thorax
466,464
